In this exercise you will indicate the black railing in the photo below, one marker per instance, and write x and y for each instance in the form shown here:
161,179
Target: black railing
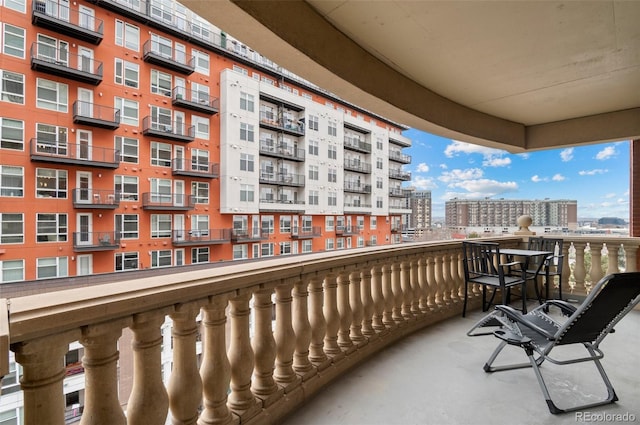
167,201
63,19
96,115
45,150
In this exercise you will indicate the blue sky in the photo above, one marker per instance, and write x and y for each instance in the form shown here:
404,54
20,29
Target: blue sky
597,176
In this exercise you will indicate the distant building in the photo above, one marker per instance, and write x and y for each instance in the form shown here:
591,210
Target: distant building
420,211
505,212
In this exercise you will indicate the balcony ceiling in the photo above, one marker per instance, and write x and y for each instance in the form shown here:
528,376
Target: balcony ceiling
519,75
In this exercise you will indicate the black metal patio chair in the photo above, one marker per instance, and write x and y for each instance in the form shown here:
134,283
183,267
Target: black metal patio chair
549,267
538,333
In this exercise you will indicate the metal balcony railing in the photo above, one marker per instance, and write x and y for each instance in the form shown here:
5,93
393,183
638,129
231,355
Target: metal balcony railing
66,20
195,168
355,187
172,130
201,237
167,201
62,63
399,174
95,241
281,150
88,113
248,235
398,156
282,179
356,144
357,166
95,198
45,150
195,100
306,232
288,126
161,54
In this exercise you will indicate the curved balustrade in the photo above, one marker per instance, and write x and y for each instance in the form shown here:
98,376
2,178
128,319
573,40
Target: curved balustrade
332,311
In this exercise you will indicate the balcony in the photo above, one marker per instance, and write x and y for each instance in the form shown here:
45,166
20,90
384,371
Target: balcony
349,230
249,235
334,312
96,199
201,237
195,101
400,157
194,168
356,187
268,148
167,201
357,166
65,20
42,150
291,128
171,130
90,114
306,232
166,56
272,204
398,192
95,241
61,63
282,179
399,175
357,144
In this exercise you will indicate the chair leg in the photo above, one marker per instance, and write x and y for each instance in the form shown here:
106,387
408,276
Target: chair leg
464,304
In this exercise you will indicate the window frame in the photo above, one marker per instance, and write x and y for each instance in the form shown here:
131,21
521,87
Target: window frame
8,49
60,223
5,95
9,191
60,90
6,221
120,145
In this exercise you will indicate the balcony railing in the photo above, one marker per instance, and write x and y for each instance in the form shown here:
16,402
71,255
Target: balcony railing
95,241
172,130
357,166
398,192
194,168
354,187
65,20
333,311
306,232
167,201
347,230
398,156
163,55
201,237
96,199
281,179
195,100
42,150
357,144
88,113
249,235
280,150
62,63
399,175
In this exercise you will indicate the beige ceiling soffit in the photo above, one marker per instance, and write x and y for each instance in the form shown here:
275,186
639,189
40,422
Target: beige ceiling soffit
295,36
613,126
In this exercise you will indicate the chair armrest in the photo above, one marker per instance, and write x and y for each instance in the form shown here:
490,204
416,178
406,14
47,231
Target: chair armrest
518,317
566,308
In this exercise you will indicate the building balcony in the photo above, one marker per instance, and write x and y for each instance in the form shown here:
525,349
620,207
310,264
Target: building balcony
306,232
357,206
399,175
347,230
357,166
268,148
171,130
398,192
61,63
249,235
405,142
354,187
288,127
195,101
95,241
68,21
400,157
319,335
95,199
194,168
201,237
281,179
357,145
42,150
90,114
162,55
282,205
167,201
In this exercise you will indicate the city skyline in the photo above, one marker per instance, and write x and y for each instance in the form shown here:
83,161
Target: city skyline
454,169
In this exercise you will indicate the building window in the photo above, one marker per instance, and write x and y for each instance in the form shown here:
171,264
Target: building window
313,147
332,199
267,250
11,134
160,225
11,181
332,152
314,173
332,129
200,225
201,192
379,144
199,255
127,35
246,162
127,226
51,183
161,154
201,61
267,224
128,149
307,246
313,123
247,102
340,243
126,261
127,73
127,186
128,111
11,228
379,183
200,159
329,244
51,95
160,82
47,268
374,240
360,242
314,197
379,202
246,132
11,271
285,224
240,252
285,248
202,127
379,164
161,258
11,87
360,221
329,223
332,175
373,223
13,41
246,193
51,227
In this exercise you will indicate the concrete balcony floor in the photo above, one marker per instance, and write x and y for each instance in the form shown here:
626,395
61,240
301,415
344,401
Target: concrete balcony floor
435,376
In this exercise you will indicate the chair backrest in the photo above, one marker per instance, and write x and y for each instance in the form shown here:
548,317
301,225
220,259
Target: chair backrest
480,258
545,244
607,303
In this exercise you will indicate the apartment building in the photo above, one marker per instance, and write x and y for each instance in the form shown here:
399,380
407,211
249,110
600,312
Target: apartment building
420,212
136,135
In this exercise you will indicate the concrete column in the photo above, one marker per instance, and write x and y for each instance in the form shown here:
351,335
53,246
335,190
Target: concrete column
414,280
264,348
614,254
431,283
596,271
285,339
407,290
387,293
398,295
423,285
579,272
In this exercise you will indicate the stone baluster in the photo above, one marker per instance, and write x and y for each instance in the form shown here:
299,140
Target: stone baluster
149,402
596,271
423,285
614,253
42,378
284,374
302,329
378,299
433,300
440,281
332,317
357,310
398,295
387,292
631,257
346,314
241,358
407,290
579,272
414,279
317,356
100,362
264,348
447,281
457,277
368,306
215,370
185,384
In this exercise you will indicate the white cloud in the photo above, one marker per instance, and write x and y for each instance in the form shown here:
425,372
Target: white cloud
422,168
566,155
496,162
485,187
444,166
606,153
422,183
610,195
456,148
558,178
457,174
592,172
537,179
